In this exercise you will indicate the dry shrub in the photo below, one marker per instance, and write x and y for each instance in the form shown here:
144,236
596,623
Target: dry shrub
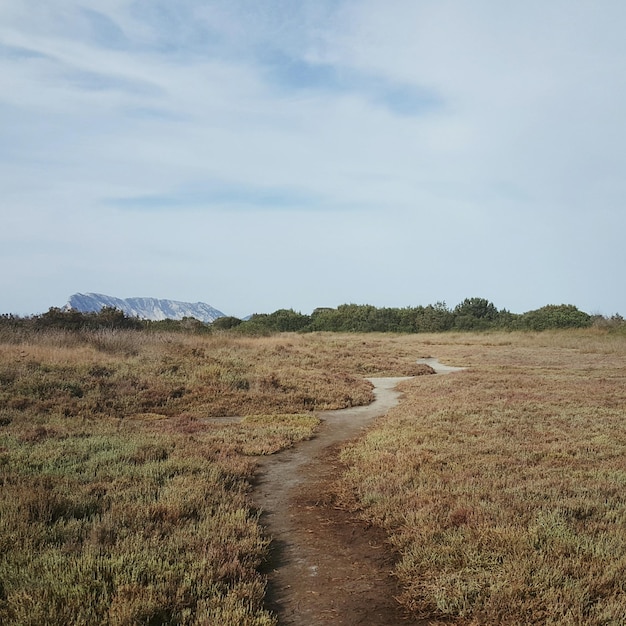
149,452
37,433
502,486
197,375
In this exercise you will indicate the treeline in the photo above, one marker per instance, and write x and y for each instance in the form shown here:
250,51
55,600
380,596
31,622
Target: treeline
473,314
105,319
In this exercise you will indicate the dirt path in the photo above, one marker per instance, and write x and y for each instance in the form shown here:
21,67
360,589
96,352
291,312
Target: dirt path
326,567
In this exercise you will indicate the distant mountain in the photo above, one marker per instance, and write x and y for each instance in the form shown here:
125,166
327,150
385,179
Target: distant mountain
144,308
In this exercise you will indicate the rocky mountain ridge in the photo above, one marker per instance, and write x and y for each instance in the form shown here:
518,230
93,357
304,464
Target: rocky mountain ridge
144,308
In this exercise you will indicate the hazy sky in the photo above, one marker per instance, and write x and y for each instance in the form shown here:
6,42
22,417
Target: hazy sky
266,154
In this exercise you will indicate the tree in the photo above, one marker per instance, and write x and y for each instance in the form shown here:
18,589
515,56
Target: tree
475,314
226,323
434,318
556,316
282,320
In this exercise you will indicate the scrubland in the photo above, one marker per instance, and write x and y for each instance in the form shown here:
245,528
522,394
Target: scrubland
503,487
124,498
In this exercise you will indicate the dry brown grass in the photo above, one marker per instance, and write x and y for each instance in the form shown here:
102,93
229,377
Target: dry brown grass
125,373
502,486
120,503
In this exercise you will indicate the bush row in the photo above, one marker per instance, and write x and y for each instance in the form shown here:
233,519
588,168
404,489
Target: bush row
473,314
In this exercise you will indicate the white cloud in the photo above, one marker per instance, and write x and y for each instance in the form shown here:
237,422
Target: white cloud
416,152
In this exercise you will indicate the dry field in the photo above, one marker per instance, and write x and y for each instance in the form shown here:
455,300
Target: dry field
503,487
120,503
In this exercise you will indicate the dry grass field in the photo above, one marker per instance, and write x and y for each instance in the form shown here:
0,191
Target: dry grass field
503,487
120,503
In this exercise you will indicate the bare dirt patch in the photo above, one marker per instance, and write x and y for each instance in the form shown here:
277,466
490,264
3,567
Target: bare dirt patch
326,566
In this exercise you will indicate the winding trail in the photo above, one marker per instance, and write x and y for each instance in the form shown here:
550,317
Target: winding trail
325,566
440,368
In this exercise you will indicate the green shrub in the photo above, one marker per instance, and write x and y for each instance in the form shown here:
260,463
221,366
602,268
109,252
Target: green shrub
555,316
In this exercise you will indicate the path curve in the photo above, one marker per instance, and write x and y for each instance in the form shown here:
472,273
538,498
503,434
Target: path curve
324,567
440,368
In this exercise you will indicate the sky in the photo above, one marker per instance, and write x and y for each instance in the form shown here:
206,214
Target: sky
267,154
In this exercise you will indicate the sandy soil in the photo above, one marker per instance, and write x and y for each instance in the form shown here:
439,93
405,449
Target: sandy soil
326,567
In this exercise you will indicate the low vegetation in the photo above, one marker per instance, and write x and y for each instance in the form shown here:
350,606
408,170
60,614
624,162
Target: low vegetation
124,496
473,314
127,524
502,486
125,477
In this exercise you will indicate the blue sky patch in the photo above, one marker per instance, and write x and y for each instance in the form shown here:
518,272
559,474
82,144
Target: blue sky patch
19,53
290,74
220,195
95,81
104,31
